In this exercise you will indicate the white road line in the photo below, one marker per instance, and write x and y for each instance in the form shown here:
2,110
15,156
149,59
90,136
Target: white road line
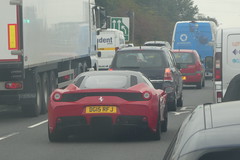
38,124
7,136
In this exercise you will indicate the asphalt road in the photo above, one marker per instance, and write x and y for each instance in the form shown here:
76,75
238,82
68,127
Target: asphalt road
24,138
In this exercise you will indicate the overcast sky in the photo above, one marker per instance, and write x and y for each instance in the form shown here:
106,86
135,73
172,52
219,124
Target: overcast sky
227,12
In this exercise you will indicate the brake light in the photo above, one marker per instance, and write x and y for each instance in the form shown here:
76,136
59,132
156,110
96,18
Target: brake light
110,69
168,75
147,95
219,97
218,66
57,96
13,85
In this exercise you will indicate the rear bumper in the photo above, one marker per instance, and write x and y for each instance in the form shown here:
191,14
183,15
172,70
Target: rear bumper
127,115
79,123
15,98
192,79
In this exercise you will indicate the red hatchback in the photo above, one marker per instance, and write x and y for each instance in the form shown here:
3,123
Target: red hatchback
191,67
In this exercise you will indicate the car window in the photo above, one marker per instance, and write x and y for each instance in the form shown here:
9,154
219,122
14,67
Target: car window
155,44
105,81
233,154
184,58
142,58
133,80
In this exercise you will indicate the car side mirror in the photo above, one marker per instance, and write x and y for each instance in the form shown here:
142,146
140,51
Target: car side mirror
99,54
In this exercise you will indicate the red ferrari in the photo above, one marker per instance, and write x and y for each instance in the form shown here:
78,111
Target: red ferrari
107,99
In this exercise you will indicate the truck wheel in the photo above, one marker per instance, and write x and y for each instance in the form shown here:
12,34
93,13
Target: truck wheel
52,81
56,136
35,108
46,92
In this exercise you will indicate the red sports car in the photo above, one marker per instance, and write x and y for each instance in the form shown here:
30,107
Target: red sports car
107,99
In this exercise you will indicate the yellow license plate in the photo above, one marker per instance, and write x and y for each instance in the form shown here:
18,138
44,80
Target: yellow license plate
184,77
101,109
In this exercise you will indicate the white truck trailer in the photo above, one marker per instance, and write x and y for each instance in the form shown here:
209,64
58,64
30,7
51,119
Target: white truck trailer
227,65
44,45
109,41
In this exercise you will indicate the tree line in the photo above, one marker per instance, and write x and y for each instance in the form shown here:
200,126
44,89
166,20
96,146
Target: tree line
153,19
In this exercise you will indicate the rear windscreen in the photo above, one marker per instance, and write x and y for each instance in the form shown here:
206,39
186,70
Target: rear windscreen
184,58
141,59
105,81
155,44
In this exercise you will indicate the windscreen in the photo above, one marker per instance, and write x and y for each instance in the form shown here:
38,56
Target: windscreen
141,59
105,81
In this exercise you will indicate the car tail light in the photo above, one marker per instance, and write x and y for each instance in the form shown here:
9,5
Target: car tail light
110,69
57,96
218,66
67,77
219,97
147,95
168,75
13,85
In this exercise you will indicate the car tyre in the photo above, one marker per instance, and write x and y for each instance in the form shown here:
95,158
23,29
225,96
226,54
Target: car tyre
180,101
203,84
56,137
199,85
172,106
157,135
164,124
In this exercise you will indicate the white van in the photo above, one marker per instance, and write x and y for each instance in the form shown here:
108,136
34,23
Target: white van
109,41
227,65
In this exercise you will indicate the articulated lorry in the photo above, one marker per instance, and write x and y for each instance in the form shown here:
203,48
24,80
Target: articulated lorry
109,41
44,45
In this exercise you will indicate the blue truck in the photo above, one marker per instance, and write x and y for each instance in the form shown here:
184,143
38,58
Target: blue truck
199,36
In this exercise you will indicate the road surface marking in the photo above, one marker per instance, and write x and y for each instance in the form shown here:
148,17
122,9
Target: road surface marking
178,113
38,124
7,136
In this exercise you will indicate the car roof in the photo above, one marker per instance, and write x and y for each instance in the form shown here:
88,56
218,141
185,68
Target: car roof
157,42
183,50
210,126
116,72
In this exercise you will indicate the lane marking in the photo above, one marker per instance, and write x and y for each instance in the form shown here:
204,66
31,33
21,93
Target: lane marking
179,113
38,124
9,135
186,108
